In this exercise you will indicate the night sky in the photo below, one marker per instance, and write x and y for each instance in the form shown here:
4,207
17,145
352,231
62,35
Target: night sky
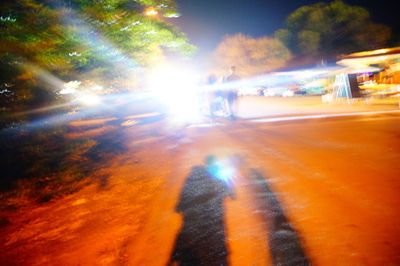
207,21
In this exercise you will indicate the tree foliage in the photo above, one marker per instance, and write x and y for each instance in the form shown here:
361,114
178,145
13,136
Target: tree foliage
329,29
76,38
251,56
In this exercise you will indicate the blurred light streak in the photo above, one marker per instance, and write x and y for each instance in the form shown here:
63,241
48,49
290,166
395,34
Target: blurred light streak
320,116
175,87
278,78
129,123
373,52
110,102
42,109
43,75
146,115
92,38
54,120
365,59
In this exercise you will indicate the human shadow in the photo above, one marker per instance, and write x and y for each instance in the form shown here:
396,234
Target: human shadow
201,240
283,240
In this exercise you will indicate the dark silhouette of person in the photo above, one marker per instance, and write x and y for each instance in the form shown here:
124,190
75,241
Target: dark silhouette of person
201,240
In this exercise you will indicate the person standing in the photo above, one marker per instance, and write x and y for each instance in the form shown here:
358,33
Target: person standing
232,92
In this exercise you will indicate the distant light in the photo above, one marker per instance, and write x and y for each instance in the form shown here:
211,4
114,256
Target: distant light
151,11
150,32
67,91
89,99
8,18
172,15
70,87
4,91
97,88
74,54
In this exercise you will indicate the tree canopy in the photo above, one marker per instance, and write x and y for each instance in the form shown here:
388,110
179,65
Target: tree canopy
251,56
330,29
81,38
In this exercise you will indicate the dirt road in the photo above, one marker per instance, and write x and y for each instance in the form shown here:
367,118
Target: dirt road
322,191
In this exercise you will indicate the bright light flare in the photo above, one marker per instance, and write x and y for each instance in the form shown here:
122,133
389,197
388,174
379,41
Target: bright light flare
177,88
89,99
222,169
225,170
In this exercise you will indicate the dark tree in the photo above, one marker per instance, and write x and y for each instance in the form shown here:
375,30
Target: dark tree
325,30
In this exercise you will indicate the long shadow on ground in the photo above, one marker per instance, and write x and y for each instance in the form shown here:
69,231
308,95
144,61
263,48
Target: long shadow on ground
201,240
284,242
